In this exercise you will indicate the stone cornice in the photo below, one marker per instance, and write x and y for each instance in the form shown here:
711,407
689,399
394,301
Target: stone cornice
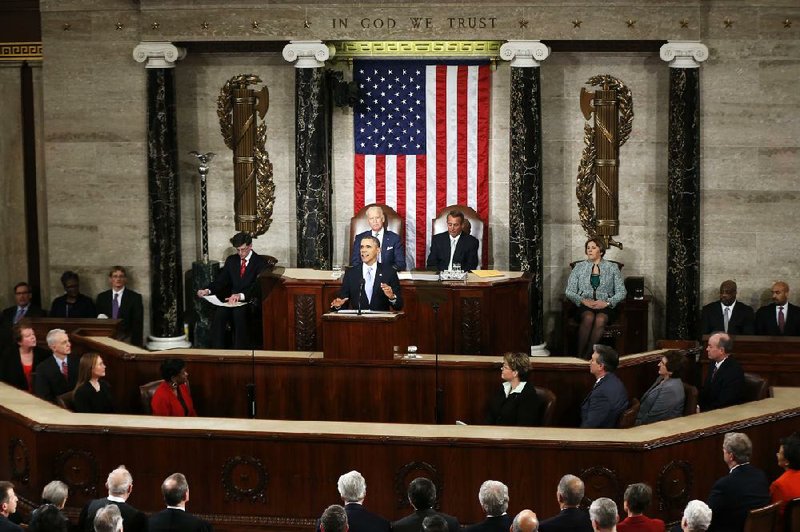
524,54
307,54
158,54
684,54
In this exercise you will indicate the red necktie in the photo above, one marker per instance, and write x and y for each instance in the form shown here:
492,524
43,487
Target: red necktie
781,319
244,266
65,370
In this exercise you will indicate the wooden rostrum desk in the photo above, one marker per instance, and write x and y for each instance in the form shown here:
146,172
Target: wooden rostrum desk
479,317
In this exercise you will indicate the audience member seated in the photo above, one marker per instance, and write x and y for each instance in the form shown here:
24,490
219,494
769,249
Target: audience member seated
779,318
603,512
696,517
353,490
72,304
108,519
334,519
124,304
608,398
727,314
48,518
453,247
172,397
8,505
787,486
596,287
18,361
23,308
635,502
515,402
665,398
743,489
57,374
120,486
55,492
525,521
724,384
422,496
493,498
392,254
571,518
434,523
92,393
372,285
175,518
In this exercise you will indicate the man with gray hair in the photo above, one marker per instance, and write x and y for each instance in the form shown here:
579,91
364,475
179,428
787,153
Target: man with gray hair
120,486
334,519
744,488
175,518
353,489
108,519
493,496
603,512
608,398
57,374
572,517
55,493
525,521
696,517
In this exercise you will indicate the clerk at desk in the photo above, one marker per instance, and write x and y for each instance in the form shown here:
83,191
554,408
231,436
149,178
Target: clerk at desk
375,284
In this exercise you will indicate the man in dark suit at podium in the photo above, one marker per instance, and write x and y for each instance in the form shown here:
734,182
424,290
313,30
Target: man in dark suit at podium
727,314
453,247
372,285
392,251
123,303
236,282
779,318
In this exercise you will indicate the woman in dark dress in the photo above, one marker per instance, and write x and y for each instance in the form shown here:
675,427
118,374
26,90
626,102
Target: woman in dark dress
18,362
92,395
516,402
172,397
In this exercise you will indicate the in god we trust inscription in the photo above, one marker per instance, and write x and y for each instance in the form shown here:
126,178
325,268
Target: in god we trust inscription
414,22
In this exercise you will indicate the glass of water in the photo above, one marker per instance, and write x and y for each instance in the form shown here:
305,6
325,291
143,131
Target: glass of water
337,271
412,352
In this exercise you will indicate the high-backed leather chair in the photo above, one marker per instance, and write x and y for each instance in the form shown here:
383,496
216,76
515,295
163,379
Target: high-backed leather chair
548,401
473,225
690,404
359,223
791,516
628,417
762,519
66,400
755,388
146,393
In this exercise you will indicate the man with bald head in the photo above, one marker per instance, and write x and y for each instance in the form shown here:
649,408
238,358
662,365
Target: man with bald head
525,521
779,318
571,518
120,487
728,315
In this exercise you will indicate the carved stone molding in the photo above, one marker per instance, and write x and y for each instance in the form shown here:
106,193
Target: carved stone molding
78,470
158,54
471,325
19,461
305,319
409,472
674,485
308,54
244,478
524,54
684,54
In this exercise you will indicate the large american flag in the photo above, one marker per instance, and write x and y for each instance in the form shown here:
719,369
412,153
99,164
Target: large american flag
422,142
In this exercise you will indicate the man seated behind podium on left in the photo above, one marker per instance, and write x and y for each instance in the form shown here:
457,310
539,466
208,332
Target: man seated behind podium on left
374,283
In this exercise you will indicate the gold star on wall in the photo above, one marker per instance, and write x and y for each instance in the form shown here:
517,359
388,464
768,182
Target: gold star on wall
255,24
306,24
119,25
684,23
155,25
787,23
630,22
728,22
577,23
67,26
523,23
204,25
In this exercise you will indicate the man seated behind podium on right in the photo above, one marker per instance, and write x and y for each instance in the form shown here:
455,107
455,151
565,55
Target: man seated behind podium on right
453,247
375,284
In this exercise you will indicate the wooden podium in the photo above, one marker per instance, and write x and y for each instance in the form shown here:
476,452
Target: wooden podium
368,336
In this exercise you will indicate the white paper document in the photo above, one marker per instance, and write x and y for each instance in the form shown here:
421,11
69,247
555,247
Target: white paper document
214,300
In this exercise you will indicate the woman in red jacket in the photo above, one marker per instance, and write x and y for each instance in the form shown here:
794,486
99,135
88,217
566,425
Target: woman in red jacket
172,397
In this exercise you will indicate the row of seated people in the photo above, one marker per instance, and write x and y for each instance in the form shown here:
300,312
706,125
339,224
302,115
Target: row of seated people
107,514
607,405
119,302
779,318
728,506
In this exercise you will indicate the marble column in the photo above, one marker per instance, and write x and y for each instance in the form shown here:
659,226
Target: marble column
312,154
166,280
525,240
683,188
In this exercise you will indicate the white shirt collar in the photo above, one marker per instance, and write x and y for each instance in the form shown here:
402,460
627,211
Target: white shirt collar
181,508
518,389
114,498
724,306
120,292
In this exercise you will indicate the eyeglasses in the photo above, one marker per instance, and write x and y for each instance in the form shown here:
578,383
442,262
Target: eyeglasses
22,293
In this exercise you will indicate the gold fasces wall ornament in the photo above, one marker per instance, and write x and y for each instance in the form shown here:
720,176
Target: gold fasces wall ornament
239,107
612,106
